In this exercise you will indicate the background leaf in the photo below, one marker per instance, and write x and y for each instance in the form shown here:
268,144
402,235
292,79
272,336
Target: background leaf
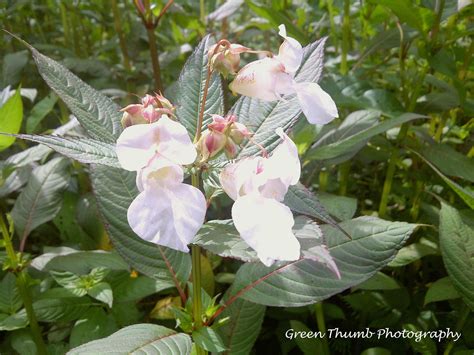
11,116
138,339
41,199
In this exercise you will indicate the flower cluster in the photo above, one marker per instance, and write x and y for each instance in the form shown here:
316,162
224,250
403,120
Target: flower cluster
223,134
169,212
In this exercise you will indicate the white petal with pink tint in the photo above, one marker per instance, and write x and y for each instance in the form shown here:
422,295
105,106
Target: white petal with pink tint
136,146
291,52
168,215
266,226
174,142
316,104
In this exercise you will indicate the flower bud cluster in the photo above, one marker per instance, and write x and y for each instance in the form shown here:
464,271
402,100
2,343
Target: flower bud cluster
149,110
225,57
224,134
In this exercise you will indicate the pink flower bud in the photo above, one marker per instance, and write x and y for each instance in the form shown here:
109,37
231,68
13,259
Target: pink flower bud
226,58
150,110
238,132
211,144
230,149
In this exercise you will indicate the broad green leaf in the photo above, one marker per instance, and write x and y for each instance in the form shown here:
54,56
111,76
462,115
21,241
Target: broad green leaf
190,89
449,161
83,149
348,142
466,195
41,199
102,292
115,190
405,10
10,300
208,339
441,290
71,282
98,114
127,288
139,339
77,262
11,116
13,64
457,248
94,324
40,111
220,237
22,341
379,281
374,243
15,180
300,200
262,118
308,346
243,327
341,207
414,252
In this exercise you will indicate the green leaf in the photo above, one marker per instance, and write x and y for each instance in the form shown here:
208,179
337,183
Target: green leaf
457,248
190,89
98,114
379,281
11,116
449,161
115,190
13,64
61,309
77,262
243,327
15,321
208,339
441,290
345,142
425,345
40,111
341,207
313,345
405,10
83,149
374,243
466,195
102,292
220,237
95,324
262,117
300,200
70,282
10,300
139,339
41,199
414,252
22,341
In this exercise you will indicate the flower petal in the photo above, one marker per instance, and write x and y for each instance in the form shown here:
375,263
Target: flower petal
159,172
258,79
136,146
168,217
174,142
290,53
317,105
265,225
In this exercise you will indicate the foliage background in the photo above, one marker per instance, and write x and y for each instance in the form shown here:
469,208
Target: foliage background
383,59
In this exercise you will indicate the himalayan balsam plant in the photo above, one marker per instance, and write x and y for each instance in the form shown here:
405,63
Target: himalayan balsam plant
157,168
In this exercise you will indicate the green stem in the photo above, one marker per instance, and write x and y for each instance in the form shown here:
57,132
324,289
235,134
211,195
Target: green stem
318,307
346,32
460,324
332,24
64,20
344,170
323,180
202,11
22,282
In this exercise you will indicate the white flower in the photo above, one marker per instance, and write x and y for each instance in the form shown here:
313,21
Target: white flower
258,185
139,144
166,212
270,78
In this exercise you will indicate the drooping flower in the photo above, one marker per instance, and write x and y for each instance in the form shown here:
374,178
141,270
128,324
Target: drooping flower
168,139
258,185
167,211
270,78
